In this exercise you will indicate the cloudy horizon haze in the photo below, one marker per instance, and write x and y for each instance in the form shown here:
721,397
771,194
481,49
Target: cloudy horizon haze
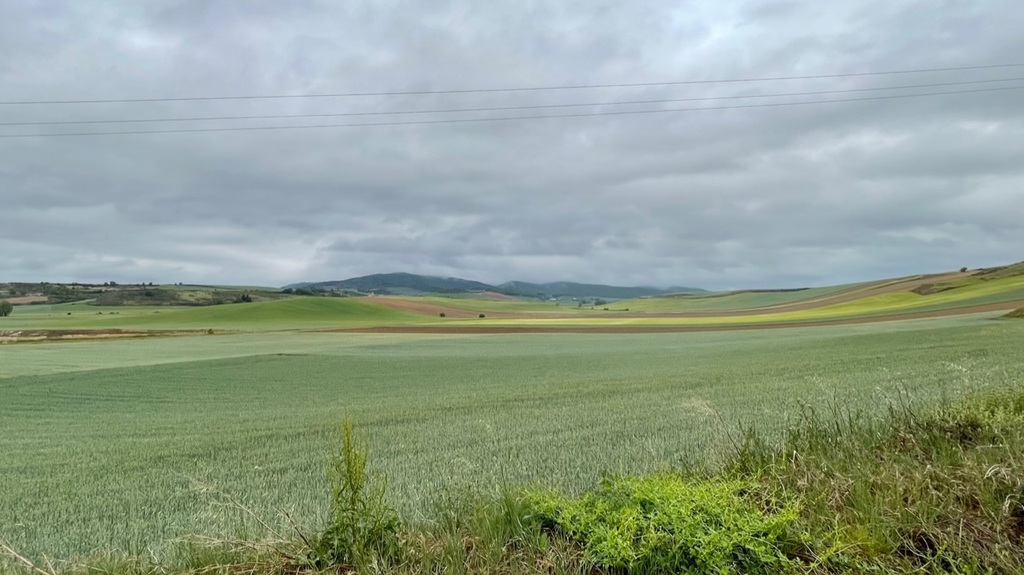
753,191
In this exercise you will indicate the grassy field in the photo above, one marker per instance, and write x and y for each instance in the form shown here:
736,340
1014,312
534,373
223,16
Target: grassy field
728,301
950,293
105,441
293,313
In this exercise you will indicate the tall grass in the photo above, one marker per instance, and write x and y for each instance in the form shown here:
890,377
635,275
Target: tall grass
935,490
103,458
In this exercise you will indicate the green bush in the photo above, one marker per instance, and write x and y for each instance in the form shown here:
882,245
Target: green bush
668,524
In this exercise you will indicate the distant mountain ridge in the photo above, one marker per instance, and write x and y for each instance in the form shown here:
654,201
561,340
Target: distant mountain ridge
401,280
413,283
579,290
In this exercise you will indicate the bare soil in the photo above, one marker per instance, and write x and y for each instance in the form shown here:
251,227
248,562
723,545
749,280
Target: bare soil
27,299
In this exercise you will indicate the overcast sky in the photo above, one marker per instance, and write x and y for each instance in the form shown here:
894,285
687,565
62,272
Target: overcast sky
744,197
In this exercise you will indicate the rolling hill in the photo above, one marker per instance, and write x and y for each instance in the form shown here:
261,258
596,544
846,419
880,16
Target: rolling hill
578,290
398,283
413,284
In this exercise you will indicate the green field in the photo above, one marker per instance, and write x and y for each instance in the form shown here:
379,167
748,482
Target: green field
103,440
293,313
729,301
1003,287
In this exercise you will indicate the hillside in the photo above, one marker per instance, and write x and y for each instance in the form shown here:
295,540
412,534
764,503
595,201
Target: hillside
398,283
578,290
413,284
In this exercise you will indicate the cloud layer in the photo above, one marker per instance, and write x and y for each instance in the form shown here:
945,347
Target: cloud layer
742,197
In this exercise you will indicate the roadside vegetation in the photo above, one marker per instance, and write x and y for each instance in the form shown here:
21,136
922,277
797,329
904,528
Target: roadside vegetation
920,490
105,442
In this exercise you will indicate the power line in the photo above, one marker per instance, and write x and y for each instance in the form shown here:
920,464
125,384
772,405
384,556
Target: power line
513,89
507,118
502,108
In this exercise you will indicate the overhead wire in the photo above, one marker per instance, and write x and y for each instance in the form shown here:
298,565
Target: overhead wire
502,108
509,118
506,89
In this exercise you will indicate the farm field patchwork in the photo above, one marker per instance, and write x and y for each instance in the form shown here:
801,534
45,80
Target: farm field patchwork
105,442
900,298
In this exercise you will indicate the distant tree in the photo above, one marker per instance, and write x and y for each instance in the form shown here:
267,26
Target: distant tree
6,308
963,269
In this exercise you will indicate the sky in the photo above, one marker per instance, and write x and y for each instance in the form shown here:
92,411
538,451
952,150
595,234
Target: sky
741,195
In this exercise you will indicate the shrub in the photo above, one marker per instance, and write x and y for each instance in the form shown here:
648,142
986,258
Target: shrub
482,316
441,314
667,524
6,308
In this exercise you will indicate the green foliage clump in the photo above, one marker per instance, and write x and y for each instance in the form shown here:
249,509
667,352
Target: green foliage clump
668,524
363,529
6,308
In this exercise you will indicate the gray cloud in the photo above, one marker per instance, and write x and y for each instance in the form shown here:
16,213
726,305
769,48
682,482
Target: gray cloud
755,197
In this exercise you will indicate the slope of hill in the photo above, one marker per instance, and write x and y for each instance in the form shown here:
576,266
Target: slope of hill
398,282
578,290
413,284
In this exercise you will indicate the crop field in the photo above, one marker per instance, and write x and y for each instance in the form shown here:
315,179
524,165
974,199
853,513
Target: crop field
742,300
115,444
900,298
294,313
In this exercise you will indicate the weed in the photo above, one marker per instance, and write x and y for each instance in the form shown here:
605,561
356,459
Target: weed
363,529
